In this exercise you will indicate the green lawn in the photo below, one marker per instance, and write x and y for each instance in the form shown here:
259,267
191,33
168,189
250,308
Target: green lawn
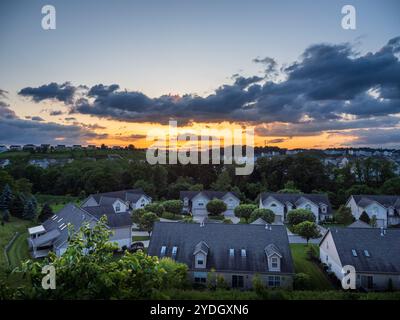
7,232
18,252
303,265
140,238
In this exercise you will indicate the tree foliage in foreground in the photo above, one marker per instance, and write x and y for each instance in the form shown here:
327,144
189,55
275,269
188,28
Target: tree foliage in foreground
89,270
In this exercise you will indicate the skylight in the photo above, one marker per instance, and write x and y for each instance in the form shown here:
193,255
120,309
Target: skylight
174,250
243,252
366,253
163,250
354,252
231,252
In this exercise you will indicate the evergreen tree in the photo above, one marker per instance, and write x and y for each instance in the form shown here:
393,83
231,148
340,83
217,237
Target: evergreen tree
29,210
17,206
6,216
6,198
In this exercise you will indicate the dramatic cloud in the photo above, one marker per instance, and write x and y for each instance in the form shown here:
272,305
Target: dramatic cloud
14,130
56,113
331,87
61,92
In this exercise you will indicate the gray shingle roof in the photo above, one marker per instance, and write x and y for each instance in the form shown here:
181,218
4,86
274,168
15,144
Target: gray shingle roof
359,224
384,251
208,193
114,220
125,195
220,238
294,198
386,201
70,214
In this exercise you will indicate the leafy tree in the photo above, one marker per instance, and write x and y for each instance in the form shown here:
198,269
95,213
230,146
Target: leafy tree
308,230
245,210
290,187
46,212
297,216
365,217
156,208
343,215
147,221
174,206
391,186
137,215
88,270
360,189
223,182
23,185
216,207
266,214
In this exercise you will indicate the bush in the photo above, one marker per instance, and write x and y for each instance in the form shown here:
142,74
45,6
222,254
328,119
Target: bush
266,214
228,221
302,281
156,208
174,206
168,215
343,215
245,210
297,216
243,221
215,207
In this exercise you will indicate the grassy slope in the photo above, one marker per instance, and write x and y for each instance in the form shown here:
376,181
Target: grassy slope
7,232
302,264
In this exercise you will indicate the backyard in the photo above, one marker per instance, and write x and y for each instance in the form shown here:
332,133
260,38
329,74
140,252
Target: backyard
304,265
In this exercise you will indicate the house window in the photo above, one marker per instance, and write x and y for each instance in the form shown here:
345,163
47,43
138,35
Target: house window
200,262
243,253
237,281
118,207
163,250
308,207
324,209
200,204
274,281
174,251
200,279
274,263
273,204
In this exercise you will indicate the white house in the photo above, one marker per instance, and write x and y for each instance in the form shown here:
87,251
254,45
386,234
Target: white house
282,203
124,200
386,209
195,202
373,252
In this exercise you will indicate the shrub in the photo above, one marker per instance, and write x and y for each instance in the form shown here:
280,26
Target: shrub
297,216
174,206
245,210
228,221
302,281
343,215
168,215
266,214
156,208
216,207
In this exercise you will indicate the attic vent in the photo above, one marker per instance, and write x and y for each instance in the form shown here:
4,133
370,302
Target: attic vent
366,253
243,253
354,252
231,252
163,250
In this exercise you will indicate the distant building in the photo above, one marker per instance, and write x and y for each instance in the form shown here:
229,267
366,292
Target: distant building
236,252
4,163
29,147
15,147
3,148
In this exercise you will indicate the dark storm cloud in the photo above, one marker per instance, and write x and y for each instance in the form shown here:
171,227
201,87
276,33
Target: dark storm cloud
62,92
56,113
327,85
14,130
376,137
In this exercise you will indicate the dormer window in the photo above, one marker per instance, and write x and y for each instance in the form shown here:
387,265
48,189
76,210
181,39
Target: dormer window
117,207
200,255
273,257
274,263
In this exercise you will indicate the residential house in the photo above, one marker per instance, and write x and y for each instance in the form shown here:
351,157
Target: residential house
29,147
122,201
282,203
3,148
237,252
53,234
4,163
15,147
385,208
373,252
195,202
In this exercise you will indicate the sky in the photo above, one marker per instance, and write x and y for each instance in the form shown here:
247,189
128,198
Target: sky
113,70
